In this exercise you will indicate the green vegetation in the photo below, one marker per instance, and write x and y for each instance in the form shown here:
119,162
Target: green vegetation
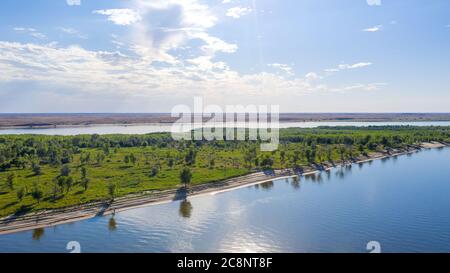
44,172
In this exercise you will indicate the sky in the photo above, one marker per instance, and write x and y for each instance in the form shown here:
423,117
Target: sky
151,55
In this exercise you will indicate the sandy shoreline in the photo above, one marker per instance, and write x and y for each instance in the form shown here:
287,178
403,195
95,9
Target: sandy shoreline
49,218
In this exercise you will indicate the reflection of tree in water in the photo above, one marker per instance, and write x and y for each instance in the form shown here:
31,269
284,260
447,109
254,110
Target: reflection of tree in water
361,165
38,233
267,185
185,209
295,183
310,177
344,171
328,172
112,224
319,178
340,173
315,177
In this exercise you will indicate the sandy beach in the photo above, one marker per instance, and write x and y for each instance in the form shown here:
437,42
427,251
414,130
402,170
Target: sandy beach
49,218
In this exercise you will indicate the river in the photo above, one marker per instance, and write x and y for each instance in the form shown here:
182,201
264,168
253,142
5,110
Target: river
164,127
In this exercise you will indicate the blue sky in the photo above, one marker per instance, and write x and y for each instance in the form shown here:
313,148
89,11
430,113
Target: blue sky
150,55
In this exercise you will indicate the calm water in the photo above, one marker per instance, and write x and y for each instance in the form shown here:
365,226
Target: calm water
402,202
157,128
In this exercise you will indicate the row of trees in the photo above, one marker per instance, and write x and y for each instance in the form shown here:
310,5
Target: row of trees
64,182
23,151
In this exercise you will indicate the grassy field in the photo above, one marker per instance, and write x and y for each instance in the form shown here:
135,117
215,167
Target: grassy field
135,164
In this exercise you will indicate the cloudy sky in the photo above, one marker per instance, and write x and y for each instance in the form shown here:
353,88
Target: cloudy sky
150,55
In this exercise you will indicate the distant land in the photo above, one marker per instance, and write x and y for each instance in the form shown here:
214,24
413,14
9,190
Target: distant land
87,119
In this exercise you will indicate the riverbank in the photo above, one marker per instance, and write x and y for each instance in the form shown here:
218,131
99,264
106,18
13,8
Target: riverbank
55,120
48,218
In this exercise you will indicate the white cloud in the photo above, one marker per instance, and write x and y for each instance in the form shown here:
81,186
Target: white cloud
72,31
373,2
238,12
186,20
214,44
73,2
112,72
373,29
312,76
354,66
121,17
348,66
331,70
284,67
31,31
358,86
176,58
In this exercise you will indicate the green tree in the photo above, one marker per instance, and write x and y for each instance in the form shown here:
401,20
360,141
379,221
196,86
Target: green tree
11,180
69,183
83,172
190,157
36,193
267,162
154,171
329,154
65,170
186,176
250,157
283,158
112,190
56,190
20,194
85,183
170,162
342,153
133,159
36,168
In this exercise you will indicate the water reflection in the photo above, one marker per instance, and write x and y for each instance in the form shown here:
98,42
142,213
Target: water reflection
361,165
267,185
328,173
314,177
38,233
395,158
112,224
185,209
295,182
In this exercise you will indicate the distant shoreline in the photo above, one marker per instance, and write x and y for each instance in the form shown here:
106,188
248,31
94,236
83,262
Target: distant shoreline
106,125
48,218
42,121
